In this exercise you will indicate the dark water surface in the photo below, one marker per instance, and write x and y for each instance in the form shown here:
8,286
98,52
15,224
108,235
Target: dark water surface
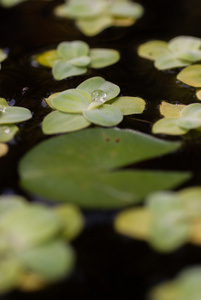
108,265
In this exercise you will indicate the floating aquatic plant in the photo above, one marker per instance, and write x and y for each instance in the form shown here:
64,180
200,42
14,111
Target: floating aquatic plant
186,286
84,168
169,219
92,17
8,116
74,58
192,76
34,243
180,51
94,101
178,119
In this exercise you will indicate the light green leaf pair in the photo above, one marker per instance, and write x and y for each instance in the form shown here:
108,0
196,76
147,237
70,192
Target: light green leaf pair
169,219
93,17
78,108
184,287
33,243
74,58
181,51
91,177
178,119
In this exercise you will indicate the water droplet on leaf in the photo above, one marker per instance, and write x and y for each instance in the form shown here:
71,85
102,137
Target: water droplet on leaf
98,96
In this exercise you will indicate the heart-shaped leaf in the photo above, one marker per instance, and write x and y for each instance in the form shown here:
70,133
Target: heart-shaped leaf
57,171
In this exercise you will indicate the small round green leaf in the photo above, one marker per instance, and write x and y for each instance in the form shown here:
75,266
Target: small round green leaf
191,75
101,58
153,49
129,105
98,83
106,115
58,122
72,101
93,26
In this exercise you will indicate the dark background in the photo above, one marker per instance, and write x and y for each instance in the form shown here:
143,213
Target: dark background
108,265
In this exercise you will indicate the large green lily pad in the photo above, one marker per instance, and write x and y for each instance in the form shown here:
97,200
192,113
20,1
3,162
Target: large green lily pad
83,168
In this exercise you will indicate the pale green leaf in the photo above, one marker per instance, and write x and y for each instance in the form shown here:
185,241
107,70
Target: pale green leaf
29,226
81,61
10,272
192,111
101,58
93,26
59,122
168,126
106,115
7,132
169,61
97,83
153,49
189,123
190,56
72,220
169,110
71,50
52,261
134,222
11,114
191,75
184,44
129,105
72,101
126,9
3,102
64,69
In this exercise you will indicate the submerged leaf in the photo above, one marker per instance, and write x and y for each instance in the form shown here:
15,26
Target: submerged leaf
56,170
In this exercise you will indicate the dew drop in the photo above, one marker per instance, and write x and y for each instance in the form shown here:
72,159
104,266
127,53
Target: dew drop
2,108
98,96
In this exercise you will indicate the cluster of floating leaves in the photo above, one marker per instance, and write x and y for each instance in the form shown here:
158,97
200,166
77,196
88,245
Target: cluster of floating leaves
168,220
10,115
184,287
74,58
178,119
94,101
92,17
180,51
84,168
34,243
